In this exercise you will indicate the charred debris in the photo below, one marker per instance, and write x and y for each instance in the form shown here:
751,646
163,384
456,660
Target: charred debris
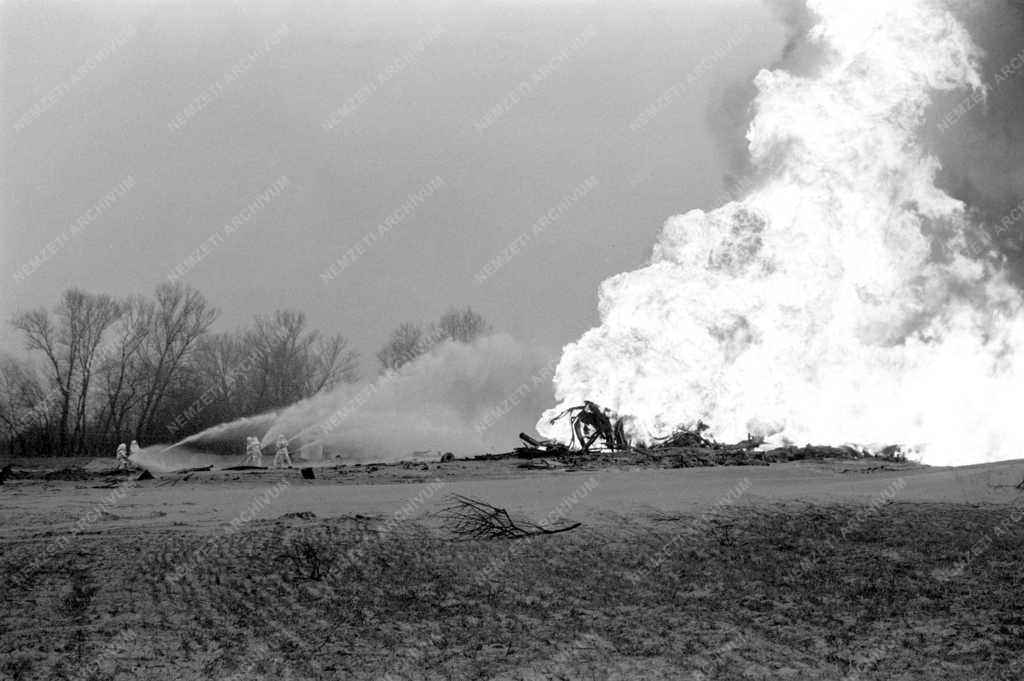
599,435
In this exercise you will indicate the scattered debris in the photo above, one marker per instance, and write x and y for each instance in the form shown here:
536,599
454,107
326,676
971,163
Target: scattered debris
302,515
537,448
876,469
418,465
475,519
683,437
75,474
599,435
520,452
542,464
892,452
197,469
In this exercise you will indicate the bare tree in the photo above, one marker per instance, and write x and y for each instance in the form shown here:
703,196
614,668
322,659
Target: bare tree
179,317
21,398
41,335
216,359
409,341
279,344
332,361
295,363
405,344
274,363
461,326
121,373
94,314
69,342
114,369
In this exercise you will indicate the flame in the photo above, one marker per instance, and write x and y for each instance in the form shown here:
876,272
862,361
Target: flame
834,303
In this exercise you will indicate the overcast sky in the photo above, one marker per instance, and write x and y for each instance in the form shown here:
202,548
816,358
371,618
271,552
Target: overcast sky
110,118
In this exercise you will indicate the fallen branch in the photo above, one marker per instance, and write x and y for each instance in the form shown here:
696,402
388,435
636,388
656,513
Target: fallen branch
476,519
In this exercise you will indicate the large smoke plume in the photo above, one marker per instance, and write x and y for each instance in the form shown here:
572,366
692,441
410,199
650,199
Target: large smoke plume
840,300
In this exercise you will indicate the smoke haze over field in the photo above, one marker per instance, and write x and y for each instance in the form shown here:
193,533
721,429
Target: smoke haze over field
460,398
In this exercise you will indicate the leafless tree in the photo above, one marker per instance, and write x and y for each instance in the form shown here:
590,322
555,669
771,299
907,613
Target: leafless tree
180,316
462,326
295,363
274,363
216,360
94,314
69,342
332,362
121,374
409,341
404,345
42,336
21,396
117,369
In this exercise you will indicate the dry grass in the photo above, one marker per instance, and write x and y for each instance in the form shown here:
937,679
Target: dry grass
414,604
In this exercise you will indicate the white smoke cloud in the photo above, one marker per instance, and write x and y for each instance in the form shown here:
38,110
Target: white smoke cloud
462,398
835,302
982,158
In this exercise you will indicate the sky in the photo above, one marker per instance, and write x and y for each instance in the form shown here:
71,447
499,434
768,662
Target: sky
125,114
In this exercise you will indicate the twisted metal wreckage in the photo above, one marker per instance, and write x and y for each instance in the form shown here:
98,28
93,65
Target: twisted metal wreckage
600,431
591,424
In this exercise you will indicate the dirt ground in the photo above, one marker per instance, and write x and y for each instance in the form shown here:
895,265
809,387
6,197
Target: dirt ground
838,570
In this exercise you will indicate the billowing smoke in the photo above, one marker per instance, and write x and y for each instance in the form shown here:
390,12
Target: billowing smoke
979,141
838,301
462,398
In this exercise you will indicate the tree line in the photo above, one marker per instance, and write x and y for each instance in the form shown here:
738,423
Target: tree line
102,370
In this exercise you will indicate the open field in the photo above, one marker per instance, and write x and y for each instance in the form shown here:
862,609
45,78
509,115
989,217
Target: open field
801,571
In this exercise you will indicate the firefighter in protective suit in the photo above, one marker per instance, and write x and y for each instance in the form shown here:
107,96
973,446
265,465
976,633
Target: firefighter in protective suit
281,457
253,452
121,456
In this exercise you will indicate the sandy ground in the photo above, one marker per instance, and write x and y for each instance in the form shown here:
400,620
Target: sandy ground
207,501
684,573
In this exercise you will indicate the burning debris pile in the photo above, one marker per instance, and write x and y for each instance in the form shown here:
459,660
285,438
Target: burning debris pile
837,300
599,433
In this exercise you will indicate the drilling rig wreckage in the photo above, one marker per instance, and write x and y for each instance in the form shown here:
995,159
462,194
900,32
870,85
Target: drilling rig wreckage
594,428
591,423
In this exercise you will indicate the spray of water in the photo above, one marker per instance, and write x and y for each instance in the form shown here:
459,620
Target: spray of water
835,302
462,398
233,431
458,397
